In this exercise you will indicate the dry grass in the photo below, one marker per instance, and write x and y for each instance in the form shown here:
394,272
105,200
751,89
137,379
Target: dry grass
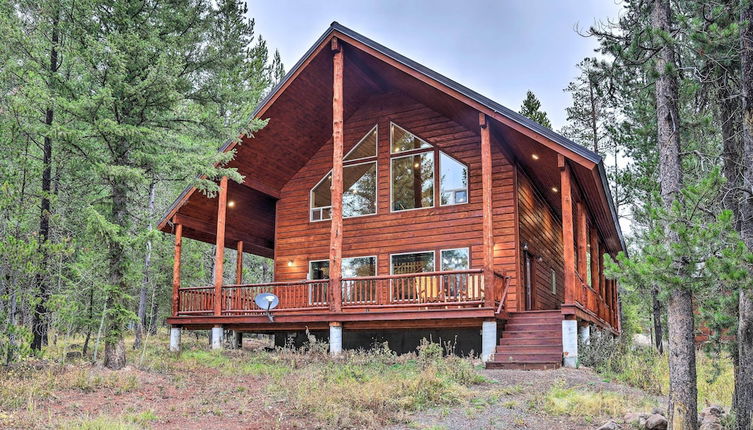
371,389
358,389
592,405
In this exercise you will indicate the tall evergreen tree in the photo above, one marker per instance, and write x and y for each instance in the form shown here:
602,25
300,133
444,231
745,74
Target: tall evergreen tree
531,108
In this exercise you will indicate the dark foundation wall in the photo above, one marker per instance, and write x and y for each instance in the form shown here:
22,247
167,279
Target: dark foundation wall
463,341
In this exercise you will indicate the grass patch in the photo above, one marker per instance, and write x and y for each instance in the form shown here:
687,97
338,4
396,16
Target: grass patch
377,388
644,368
579,402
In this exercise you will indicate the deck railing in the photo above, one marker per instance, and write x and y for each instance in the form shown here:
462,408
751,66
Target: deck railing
450,288
424,289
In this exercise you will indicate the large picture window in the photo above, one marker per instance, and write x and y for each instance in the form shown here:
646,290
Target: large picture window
414,262
413,181
352,267
414,177
359,183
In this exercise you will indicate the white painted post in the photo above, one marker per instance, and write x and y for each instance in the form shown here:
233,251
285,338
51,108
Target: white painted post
570,342
174,339
488,340
584,332
217,337
335,338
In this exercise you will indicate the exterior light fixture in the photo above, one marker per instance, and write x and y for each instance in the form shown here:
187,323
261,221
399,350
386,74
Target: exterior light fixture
555,189
290,263
231,204
535,156
416,165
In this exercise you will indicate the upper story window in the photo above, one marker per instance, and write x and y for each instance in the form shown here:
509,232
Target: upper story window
415,175
359,183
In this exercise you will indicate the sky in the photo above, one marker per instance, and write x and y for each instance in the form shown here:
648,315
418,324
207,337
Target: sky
499,48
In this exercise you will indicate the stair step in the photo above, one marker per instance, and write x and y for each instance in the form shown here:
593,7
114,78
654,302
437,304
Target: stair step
520,334
537,314
536,326
529,349
530,342
520,358
528,365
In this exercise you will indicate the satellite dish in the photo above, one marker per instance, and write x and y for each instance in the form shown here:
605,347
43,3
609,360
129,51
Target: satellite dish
267,301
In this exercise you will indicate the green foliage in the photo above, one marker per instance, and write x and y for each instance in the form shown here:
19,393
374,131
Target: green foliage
139,96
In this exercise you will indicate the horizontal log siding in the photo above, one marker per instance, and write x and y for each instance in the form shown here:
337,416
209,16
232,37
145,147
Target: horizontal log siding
542,230
299,240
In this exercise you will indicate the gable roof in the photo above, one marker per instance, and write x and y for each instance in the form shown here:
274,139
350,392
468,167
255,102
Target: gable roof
495,110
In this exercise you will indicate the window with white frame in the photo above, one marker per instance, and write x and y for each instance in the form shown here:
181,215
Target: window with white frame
415,175
412,262
359,183
455,259
352,267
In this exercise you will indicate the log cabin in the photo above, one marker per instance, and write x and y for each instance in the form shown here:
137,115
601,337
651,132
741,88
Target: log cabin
398,204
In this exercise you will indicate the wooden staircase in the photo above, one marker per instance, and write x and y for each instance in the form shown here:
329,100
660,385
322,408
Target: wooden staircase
530,340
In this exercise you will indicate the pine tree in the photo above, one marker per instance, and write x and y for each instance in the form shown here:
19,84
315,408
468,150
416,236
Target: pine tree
531,108
157,99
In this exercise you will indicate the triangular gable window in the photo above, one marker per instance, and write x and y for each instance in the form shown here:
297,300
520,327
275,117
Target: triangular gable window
365,148
359,183
402,140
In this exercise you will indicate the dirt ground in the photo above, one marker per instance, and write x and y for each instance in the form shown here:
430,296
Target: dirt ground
207,398
516,392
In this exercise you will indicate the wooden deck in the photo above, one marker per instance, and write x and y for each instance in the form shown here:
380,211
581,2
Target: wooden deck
449,299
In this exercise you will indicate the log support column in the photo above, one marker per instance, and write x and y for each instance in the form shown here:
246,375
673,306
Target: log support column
176,268
488,339
335,238
568,235
582,261
486,206
220,247
335,338
239,263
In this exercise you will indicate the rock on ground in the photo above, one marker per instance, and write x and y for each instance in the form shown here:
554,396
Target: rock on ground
656,422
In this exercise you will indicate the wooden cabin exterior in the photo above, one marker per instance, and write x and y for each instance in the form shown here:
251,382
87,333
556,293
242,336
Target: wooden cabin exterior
393,199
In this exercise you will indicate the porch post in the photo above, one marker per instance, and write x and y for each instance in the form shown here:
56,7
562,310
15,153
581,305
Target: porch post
176,268
488,225
582,244
220,245
568,239
335,238
239,263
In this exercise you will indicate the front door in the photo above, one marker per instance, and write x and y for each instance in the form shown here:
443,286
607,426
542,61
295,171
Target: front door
528,279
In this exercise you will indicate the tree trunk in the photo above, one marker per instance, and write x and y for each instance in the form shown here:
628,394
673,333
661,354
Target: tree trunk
114,345
141,312
41,313
744,380
683,394
658,329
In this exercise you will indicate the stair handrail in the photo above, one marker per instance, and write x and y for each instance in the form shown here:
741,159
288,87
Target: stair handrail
506,280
